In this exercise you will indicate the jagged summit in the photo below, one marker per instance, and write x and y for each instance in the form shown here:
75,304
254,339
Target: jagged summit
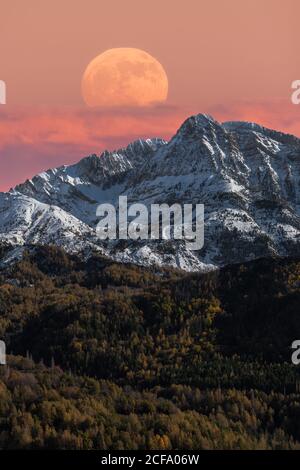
198,121
197,125
104,165
244,125
247,176
248,127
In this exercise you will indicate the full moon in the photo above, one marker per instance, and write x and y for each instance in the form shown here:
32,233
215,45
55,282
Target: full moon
124,77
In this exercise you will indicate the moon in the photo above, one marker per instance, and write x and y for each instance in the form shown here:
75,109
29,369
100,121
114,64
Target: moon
124,76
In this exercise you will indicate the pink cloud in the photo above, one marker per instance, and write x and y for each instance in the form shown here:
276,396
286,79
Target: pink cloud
34,140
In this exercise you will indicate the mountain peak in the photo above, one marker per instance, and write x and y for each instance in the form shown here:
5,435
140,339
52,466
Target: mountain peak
197,125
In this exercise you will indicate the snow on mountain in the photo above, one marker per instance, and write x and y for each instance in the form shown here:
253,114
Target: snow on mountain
26,220
79,188
247,176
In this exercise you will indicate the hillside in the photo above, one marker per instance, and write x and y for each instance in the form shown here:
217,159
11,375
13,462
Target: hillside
133,354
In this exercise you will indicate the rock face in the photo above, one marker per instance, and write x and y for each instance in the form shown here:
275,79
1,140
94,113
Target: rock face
247,176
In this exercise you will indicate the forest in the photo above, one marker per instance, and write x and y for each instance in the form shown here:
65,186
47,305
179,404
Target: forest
104,355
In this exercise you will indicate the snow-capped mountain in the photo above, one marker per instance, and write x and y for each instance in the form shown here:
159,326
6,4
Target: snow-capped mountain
247,176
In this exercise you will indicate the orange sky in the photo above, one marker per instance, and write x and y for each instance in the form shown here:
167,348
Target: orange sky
233,58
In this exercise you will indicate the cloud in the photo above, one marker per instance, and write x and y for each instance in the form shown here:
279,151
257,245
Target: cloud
32,140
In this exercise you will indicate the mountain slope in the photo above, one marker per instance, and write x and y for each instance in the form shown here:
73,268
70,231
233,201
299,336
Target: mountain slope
247,176
26,220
